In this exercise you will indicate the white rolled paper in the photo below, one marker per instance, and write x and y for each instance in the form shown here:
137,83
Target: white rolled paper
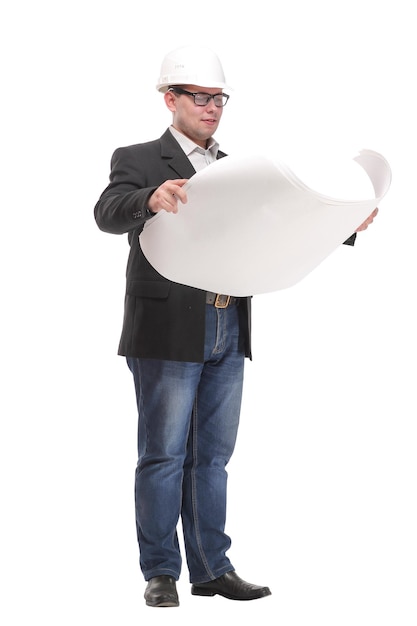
250,226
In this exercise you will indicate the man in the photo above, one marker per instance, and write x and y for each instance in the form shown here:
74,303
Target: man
185,348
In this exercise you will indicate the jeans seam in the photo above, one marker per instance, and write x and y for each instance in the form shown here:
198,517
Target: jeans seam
194,494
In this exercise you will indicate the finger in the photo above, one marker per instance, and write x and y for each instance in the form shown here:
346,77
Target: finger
170,204
178,192
181,195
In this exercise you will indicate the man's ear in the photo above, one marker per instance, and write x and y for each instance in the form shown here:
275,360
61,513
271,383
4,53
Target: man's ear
170,100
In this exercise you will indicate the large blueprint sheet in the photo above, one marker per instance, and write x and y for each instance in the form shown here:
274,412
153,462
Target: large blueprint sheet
251,226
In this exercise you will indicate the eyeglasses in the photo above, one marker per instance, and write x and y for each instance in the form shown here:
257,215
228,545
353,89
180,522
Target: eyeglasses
202,99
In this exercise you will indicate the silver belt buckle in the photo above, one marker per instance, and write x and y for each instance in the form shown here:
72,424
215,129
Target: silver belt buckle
221,301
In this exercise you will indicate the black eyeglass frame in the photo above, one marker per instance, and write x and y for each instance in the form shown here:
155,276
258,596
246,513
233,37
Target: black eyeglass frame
180,91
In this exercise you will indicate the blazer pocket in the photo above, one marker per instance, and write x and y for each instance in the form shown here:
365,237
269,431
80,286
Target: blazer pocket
148,289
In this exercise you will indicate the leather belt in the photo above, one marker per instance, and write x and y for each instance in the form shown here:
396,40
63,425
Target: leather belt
219,300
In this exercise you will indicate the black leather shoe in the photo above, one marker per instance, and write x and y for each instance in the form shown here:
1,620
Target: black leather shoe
161,591
230,586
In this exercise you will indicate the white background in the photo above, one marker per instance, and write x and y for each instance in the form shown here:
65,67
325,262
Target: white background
322,504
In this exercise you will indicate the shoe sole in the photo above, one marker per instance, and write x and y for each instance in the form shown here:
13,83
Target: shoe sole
165,603
197,591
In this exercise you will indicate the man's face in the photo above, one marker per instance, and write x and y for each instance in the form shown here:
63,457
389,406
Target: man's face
198,123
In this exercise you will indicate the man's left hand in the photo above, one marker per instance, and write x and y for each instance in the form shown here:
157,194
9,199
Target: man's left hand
368,221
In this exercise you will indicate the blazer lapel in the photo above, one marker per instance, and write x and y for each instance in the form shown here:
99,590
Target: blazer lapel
173,155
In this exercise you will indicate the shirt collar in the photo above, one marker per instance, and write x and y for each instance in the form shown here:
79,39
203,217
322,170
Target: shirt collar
189,146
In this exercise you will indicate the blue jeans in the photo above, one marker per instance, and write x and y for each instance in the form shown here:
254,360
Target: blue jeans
188,422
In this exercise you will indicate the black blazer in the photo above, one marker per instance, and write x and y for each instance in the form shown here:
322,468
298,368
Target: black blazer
162,319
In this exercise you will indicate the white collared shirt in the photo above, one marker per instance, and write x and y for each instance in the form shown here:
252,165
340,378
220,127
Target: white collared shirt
198,156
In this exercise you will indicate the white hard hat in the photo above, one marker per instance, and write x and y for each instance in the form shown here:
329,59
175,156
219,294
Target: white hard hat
191,65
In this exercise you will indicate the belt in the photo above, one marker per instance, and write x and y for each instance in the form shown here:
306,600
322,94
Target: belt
219,300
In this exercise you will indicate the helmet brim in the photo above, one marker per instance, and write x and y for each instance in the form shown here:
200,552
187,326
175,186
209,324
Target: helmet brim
164,85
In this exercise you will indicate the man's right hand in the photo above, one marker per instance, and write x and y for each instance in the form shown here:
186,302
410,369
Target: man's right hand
166,196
